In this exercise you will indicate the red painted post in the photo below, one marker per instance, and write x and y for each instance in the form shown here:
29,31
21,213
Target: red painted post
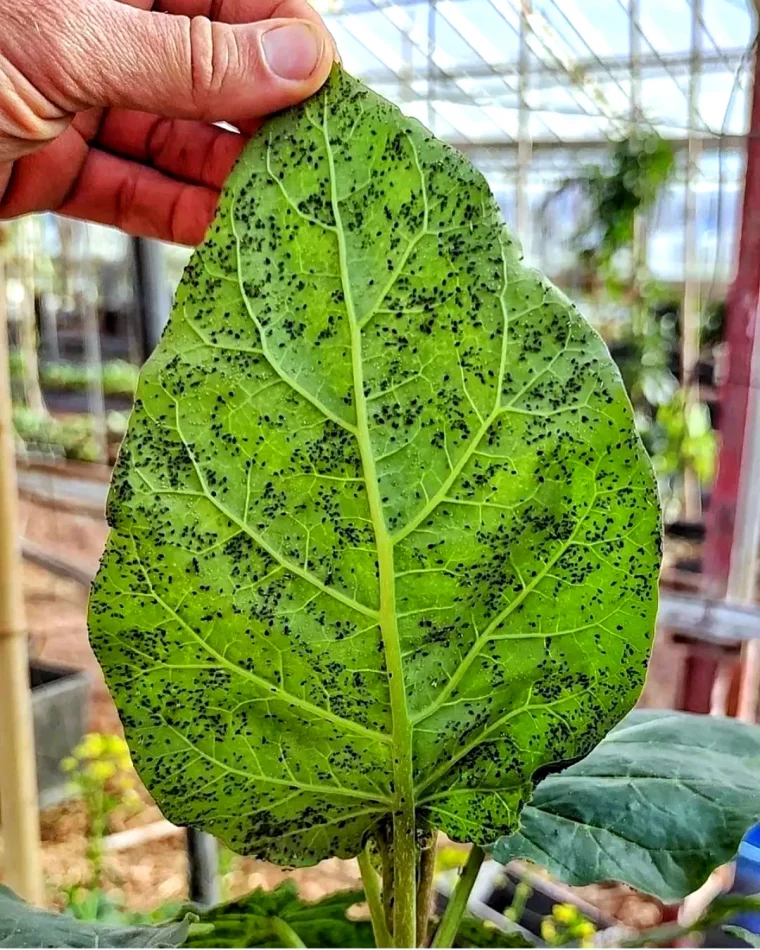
742,305
741,328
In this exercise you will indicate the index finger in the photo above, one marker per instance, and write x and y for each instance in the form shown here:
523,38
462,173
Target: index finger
232,11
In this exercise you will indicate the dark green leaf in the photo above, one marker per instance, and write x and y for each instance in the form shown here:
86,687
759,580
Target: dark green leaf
384,539
659,803
478,933
25,926
250,922
751,939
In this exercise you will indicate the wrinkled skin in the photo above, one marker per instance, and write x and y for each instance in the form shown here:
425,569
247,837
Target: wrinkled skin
106,105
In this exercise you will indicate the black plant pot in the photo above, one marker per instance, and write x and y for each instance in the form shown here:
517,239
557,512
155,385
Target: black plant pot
59,711
686,530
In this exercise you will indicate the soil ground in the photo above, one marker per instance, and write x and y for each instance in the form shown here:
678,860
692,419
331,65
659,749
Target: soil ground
154,873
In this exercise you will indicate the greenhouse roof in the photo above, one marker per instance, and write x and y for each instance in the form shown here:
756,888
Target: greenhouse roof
589,66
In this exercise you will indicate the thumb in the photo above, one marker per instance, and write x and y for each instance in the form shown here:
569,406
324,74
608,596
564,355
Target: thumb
195,68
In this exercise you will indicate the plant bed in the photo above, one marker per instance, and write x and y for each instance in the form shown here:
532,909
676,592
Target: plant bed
66,468
59,710
77,401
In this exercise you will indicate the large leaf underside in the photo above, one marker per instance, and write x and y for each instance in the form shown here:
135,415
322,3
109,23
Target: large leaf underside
383,535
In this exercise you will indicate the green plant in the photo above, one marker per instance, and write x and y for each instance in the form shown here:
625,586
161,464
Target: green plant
117,377
385,542
29,927
628,185
684,437
681,438
280,918
71,436
100,772
567,925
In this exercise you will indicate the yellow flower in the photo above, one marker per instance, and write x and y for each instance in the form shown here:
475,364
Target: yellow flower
548,930
69,763
124,763
101,770
93,745
115,745
564,913
585,929
587,942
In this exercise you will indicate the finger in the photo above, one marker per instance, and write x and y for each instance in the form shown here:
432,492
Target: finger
237,11
187,68
242,11
140,200
233,11
193,151
42,180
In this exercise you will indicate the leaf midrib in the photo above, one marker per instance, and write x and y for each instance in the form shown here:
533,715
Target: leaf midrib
401,726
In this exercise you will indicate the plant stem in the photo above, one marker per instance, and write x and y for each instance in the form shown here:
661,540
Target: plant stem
405,854
374,900
520,899
425,890
383,847
447,929
285,932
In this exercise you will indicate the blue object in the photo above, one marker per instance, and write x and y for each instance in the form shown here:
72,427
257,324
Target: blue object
747,877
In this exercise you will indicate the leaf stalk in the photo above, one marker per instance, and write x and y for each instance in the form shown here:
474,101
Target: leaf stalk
425,889
447,929
374,900
285,932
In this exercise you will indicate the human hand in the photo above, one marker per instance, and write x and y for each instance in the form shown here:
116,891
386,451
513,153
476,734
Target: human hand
106,105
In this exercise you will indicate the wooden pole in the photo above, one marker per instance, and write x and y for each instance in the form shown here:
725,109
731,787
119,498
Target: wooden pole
524,144
742,327
28,343
690,303
18,777
88,309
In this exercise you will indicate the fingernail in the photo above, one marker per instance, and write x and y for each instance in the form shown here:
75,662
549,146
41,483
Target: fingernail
293,51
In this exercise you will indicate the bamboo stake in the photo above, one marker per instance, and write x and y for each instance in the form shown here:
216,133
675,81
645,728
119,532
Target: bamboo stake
18,778
88,309
28,324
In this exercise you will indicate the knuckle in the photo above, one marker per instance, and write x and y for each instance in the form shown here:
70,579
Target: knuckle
125,196
6,173
159,139
54,59
214,57
175,215
216,10
32,110
26,115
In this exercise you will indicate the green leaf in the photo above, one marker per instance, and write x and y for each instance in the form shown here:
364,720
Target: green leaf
741,933
384,539
479,933
25,926
659,804
252,921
